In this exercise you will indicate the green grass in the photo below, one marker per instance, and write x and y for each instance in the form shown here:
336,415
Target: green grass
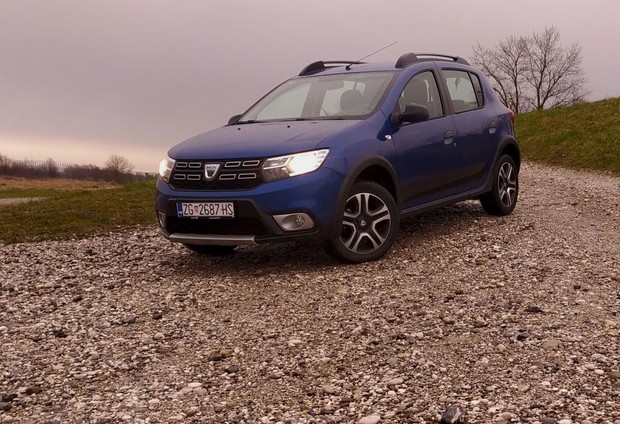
65,214
585,135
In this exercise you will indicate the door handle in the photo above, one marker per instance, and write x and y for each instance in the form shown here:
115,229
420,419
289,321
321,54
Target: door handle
448,137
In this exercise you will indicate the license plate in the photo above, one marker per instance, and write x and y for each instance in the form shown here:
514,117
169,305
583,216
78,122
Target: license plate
205,210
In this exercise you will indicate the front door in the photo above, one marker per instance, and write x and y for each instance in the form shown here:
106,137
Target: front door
426,160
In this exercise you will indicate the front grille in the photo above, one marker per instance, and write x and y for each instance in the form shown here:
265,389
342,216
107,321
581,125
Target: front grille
237,174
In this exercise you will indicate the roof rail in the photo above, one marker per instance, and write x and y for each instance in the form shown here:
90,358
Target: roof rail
406,60
456,59
411,58
319,66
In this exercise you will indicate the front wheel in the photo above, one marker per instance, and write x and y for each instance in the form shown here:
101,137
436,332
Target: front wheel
210,249
368,224
501,200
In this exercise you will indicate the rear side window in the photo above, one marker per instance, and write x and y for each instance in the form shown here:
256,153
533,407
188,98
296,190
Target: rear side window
464,89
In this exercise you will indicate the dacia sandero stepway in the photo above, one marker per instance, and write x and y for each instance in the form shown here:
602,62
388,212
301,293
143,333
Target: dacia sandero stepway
339,154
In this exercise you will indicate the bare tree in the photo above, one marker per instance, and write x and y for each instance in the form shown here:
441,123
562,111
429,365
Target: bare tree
534,72
119,165
5,161
554,73
506,66
50,168
119,168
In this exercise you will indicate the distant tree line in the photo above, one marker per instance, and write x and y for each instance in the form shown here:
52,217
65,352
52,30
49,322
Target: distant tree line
117,169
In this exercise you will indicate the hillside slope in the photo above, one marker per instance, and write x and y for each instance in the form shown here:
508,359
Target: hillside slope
585,135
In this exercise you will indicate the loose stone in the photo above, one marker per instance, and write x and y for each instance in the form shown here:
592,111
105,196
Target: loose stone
370,419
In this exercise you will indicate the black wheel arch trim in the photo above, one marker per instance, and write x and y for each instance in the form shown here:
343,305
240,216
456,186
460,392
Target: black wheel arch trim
507,143
512,142
353,175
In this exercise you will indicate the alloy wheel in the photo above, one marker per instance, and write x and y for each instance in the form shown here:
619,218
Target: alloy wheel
366,223
507,184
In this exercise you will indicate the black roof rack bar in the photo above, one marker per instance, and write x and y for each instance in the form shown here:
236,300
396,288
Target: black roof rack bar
456,59
320,65
411,58
406,60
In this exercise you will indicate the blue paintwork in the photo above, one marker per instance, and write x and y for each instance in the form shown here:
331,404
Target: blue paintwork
316,192
258,140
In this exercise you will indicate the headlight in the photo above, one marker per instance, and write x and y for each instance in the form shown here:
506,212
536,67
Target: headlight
291,165
165,168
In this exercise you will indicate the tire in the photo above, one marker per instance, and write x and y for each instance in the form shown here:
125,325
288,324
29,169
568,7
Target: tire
210,249
367,226
502,198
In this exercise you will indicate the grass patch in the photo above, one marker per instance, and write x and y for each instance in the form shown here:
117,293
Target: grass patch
585,135
65,214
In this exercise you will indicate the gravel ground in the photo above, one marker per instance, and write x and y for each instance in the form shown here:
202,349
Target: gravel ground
511,319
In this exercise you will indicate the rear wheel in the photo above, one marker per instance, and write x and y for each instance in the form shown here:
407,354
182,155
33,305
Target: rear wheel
368,224
502,199
210,249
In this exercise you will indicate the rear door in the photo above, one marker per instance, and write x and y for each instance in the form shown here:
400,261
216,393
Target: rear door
476,127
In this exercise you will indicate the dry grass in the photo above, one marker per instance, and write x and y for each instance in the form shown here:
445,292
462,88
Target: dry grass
78,212
18,183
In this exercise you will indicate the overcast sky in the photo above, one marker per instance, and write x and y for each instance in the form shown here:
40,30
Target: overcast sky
81,80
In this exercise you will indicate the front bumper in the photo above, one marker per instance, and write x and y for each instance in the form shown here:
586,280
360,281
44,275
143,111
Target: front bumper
314,194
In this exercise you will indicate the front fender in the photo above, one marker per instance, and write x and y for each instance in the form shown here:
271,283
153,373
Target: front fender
378,165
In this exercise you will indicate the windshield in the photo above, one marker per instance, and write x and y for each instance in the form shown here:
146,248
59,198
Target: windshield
341,96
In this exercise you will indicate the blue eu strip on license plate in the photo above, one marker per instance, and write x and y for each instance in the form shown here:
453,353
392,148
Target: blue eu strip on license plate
205,210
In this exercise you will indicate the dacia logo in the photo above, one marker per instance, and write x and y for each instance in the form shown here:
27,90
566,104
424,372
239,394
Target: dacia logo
211,170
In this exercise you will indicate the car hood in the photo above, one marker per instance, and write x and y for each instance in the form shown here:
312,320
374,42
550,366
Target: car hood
258,140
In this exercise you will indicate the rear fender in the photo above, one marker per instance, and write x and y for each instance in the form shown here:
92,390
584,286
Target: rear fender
510,146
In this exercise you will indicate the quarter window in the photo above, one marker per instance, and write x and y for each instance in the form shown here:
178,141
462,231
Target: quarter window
464,89
478,89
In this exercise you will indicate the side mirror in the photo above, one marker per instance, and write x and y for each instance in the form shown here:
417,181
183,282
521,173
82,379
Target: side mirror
414,113
234,119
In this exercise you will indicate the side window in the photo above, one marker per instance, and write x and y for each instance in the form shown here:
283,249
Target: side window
478,89
462,90
422,90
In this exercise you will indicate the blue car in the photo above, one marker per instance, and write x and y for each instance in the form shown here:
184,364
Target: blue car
339,154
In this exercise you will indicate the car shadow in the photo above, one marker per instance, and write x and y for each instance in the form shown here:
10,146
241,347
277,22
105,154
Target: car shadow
284,258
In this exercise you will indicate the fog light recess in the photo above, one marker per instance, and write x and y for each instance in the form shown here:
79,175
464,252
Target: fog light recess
294,221
162,219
